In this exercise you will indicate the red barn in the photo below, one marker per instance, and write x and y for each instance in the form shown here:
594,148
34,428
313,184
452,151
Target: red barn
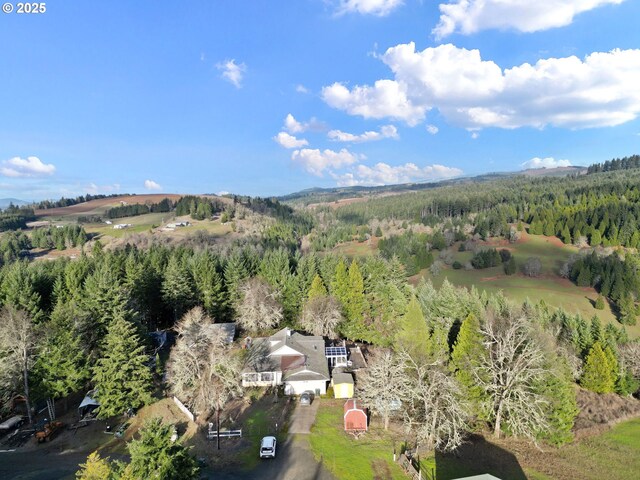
355,418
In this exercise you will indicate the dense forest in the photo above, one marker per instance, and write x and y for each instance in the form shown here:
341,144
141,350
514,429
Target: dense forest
86,319
14,218
164,205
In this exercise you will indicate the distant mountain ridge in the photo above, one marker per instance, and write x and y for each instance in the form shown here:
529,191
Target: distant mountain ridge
5,202
318,194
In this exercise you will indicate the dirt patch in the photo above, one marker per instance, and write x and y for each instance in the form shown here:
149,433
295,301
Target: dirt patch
381,470
599,412
101,202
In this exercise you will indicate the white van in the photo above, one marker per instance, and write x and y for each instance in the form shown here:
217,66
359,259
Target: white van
268,447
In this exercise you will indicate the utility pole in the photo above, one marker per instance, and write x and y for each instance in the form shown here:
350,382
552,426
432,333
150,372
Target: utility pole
218,432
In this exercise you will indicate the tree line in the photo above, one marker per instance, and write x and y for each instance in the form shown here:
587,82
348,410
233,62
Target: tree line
131,210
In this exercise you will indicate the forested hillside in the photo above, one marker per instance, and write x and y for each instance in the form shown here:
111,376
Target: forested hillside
85,319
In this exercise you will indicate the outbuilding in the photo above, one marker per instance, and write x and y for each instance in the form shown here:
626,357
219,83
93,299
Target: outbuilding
355,417
342,385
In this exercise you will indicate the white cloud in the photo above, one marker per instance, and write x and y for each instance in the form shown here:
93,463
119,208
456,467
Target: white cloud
151,185
294,126
316,161
432,129
548,162
600,90
475,135
386,98
384,174
289,141
379,8
26,167
222,193
232,72
301,89
471,16
386,131
93,188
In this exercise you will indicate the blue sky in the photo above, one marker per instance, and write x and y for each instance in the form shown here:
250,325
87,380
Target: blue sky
194,96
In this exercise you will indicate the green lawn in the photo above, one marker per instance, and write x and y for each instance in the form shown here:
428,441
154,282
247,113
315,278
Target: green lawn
348,458
550,287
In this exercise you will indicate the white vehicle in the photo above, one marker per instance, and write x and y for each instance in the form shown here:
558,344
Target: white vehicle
268,447
10,424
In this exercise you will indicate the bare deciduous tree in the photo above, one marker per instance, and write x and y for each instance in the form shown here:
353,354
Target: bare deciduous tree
437,413
321,316
382,386
201,371
259,308
630,358
532,267
509,373
18,344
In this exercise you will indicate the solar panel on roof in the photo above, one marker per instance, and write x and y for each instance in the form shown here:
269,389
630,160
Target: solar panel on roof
335,351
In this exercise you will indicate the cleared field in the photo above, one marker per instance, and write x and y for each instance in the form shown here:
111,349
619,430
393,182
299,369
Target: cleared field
140,223
357,249
95,207
549,286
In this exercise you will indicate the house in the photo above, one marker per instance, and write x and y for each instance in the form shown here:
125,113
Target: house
120,226
342,384
287,358
355,418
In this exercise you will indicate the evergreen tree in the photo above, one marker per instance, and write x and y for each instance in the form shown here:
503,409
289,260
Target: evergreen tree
354,303
413,335
599,375
208,283
317,288
340,284
177,287
122,377
562,408
62,363
566,235
235,273
596,238
599,305
510,266
156,455
468,354
96,468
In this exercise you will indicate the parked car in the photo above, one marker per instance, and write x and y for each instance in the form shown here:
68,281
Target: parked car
305,398
268,447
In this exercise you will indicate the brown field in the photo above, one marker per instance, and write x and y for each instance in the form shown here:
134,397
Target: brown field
103,202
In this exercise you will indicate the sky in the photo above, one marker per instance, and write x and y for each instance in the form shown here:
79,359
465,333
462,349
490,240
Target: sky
269,97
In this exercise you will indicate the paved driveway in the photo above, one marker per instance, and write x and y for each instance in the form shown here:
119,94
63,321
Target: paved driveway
294,461
303,417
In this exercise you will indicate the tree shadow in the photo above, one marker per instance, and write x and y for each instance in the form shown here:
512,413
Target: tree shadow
478,456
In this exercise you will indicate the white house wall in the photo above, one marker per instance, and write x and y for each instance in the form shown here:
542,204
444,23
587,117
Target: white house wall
299,387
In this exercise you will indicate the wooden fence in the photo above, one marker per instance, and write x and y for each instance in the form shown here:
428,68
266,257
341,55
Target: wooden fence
414,472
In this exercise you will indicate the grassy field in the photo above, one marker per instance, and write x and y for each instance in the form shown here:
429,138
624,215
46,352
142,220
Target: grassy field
549,286
370,456
140,223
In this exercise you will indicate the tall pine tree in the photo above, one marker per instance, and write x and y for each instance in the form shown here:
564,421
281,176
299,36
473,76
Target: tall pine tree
122,377
599,375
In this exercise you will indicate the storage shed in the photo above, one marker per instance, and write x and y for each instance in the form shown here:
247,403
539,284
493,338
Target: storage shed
342,385
355,418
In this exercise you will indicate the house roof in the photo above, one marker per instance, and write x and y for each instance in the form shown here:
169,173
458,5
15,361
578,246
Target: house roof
339,378
352,405
484,476
299,357
228,330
